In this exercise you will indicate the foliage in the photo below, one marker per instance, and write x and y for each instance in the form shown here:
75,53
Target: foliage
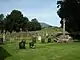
35,24
70,10
1,22
15,20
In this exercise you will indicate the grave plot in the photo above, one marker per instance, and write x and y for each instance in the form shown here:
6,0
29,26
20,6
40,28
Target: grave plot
22,44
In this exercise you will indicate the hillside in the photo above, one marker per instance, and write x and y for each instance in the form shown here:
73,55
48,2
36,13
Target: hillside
44,25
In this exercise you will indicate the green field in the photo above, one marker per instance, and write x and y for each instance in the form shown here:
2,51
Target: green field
47,51
51,51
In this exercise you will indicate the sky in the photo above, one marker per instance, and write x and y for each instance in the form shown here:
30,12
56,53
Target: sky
42,10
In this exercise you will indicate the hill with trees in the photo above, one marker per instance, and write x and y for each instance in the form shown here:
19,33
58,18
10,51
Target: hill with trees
44,25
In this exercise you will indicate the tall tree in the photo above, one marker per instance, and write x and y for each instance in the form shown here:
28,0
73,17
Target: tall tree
1,17
35,24
70,10
14,21
1,22
25,23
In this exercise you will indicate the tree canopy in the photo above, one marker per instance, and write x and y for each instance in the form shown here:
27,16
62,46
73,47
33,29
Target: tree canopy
15,20
70,10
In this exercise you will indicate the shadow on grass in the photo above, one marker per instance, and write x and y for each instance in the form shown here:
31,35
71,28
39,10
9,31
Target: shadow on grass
3,54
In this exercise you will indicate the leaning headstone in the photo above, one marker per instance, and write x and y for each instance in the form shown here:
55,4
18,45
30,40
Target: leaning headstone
22,44
55,40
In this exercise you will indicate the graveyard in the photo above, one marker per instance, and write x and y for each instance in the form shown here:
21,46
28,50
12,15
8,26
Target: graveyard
39,30
45,50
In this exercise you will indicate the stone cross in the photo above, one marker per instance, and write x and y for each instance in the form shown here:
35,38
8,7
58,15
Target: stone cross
64,27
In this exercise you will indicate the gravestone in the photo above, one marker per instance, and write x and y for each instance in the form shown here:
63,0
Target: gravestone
46,35
43,40
49,40
55,40
31,45
39,38
34,38
1,40
36,33
22,44
15,35
21,34
4,36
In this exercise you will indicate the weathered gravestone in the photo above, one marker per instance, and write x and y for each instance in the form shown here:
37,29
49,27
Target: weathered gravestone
22,44
34,38
39,38
49,40
4,36
21,34
55,40
43,40
31,45
1,40
46,35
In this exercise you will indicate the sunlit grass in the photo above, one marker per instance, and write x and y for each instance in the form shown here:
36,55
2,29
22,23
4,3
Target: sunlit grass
51,51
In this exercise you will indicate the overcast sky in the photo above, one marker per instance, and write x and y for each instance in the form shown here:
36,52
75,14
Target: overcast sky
43,10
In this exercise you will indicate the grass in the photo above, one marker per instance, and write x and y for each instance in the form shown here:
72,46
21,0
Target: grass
47,51
51,51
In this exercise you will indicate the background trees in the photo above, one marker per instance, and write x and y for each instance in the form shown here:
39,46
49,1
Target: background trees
35,24
1,22
15,20
70,10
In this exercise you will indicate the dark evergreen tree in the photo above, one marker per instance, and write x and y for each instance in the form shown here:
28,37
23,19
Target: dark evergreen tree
70,10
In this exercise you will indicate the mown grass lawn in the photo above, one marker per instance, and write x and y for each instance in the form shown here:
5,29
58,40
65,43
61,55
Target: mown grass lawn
51,51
